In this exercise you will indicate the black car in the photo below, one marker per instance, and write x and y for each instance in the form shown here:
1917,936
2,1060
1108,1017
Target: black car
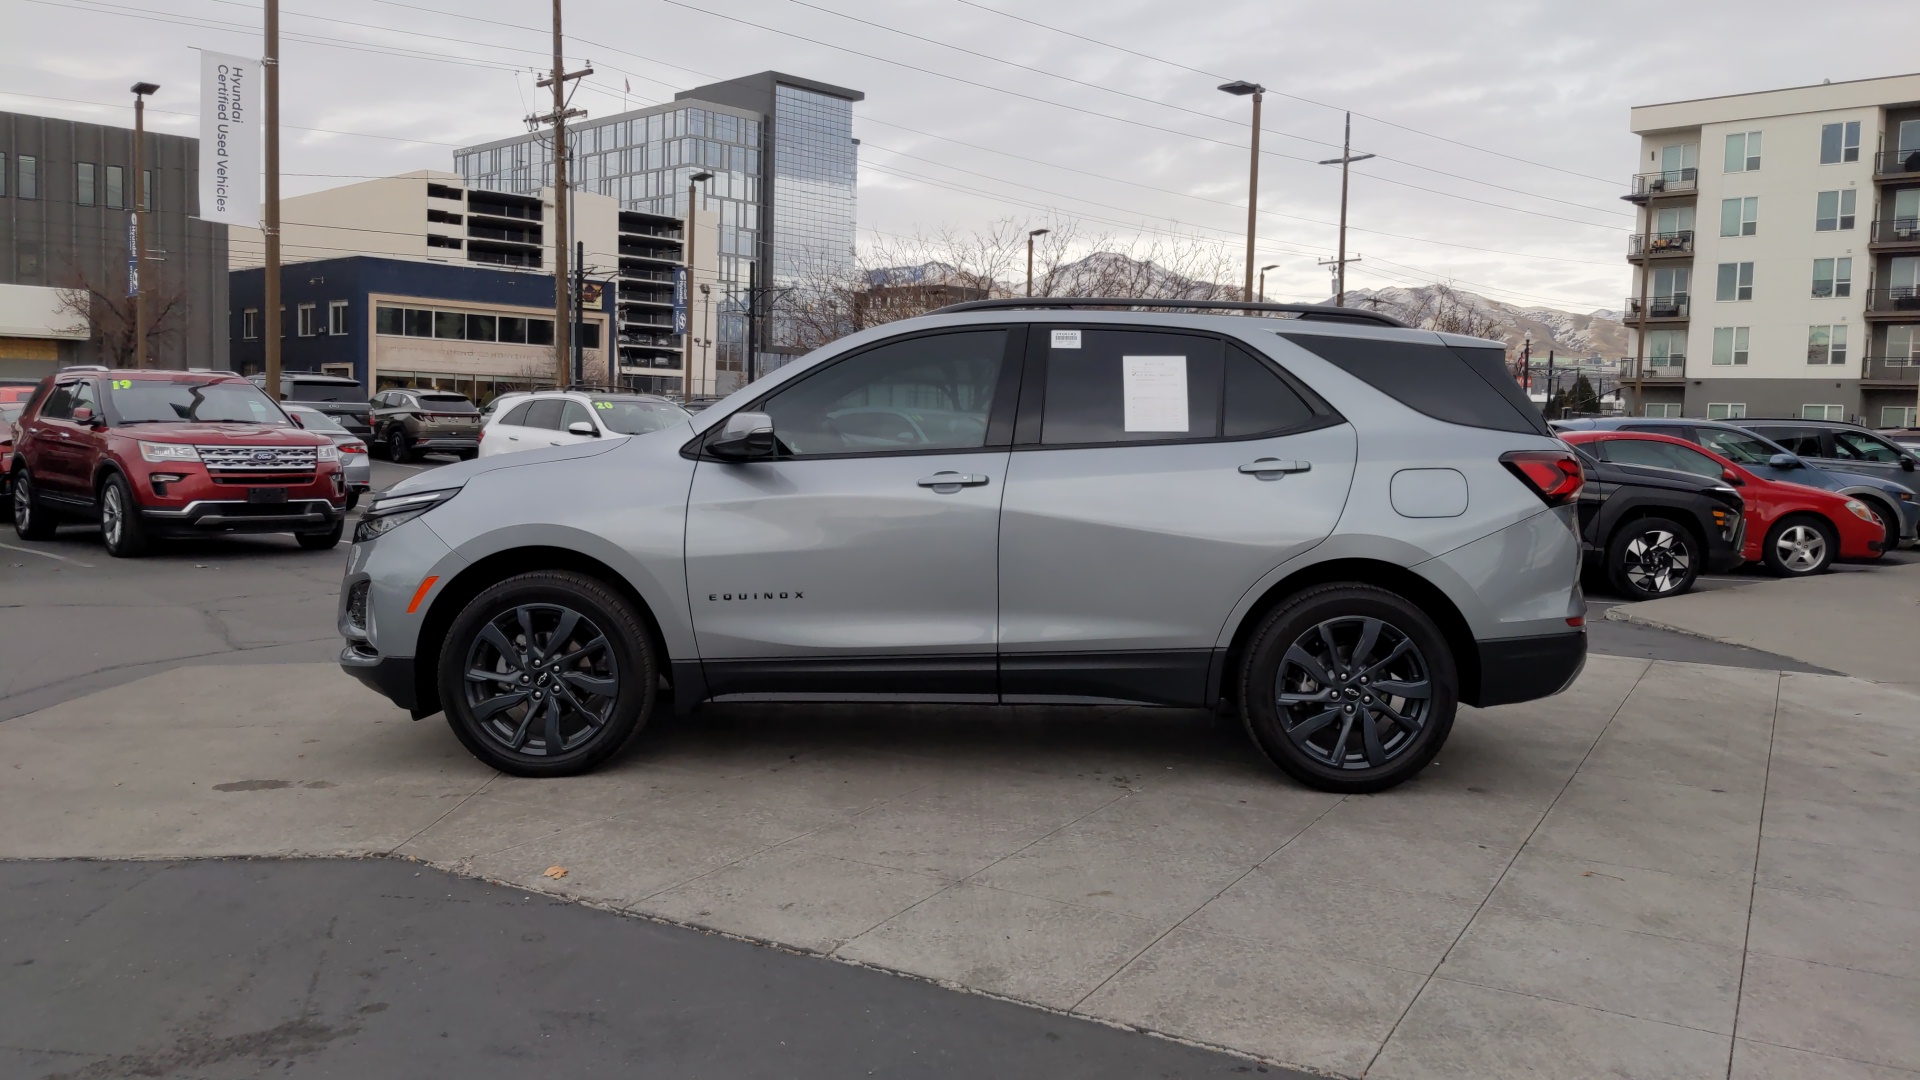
337,396
1651,531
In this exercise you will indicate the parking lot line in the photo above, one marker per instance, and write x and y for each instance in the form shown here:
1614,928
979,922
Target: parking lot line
49,555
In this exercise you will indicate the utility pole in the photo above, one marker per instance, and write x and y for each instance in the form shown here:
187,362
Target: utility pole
270,228
1338,268
558,118
1242,88
140,195
1347,158
1550,380
1526,363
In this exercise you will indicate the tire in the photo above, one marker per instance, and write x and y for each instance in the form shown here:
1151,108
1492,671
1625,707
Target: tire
318,541
397,449
469,455
1800,546
30,520
1889,520
606,690
353,500
121,529
1652,557
1362,740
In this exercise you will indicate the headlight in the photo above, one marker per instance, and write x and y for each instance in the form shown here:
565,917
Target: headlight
329,452
389,512
160,451
1859,510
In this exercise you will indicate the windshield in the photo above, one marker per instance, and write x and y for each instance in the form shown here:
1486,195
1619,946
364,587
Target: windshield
1738,446
146,401
627,416
323,390
315,420
448,403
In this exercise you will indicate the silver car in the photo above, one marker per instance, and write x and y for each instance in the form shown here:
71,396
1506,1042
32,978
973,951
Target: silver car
1338,527
356,465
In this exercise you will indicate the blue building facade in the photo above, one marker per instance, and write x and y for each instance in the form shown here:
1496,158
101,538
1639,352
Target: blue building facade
388,322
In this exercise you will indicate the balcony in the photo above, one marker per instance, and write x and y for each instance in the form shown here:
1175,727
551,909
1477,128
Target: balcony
1897,165
1660,245
1655,367
1895,234
1898,304
1891,371
1666,184
1670,308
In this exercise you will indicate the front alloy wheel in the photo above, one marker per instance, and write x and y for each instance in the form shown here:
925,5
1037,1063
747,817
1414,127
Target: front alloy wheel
1348,687
1800,547
547,674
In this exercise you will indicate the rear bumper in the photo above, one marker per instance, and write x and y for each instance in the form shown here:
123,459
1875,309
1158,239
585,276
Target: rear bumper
390,676
1526,668
430,443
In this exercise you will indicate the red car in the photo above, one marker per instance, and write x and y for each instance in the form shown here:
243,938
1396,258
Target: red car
1795,530
170,453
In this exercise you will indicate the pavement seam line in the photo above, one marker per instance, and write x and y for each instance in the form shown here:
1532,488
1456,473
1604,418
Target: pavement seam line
1831,1057
1753,887
1579,1005
1507,869
1182,921
450,812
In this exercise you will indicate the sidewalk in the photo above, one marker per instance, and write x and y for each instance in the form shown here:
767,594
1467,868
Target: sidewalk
1865,624
1669,868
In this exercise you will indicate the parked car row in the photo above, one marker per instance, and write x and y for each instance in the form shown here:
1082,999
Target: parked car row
1796,517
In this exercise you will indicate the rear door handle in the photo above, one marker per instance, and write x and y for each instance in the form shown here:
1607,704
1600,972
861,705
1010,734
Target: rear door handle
946,483
1272,468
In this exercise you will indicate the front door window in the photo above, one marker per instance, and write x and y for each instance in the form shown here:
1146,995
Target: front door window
929,393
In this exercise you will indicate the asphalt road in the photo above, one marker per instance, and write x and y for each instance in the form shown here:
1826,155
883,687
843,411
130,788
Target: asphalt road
382,969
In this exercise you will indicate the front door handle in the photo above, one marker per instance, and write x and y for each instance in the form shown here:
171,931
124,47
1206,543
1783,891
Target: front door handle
1271,468
946,483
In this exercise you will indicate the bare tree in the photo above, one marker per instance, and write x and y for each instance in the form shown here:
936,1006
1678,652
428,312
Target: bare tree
109,313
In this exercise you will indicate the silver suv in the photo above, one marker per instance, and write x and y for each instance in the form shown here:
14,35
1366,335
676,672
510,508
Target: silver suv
1338,527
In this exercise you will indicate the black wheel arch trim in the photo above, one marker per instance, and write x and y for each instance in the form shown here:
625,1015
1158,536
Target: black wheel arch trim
1526,668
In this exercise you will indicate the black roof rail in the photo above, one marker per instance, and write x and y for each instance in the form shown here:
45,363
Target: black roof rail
1325,312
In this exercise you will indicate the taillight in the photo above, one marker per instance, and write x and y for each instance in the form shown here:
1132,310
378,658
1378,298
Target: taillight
1554,475
353,448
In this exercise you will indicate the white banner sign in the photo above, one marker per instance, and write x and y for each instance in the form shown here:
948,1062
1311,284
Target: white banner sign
230,121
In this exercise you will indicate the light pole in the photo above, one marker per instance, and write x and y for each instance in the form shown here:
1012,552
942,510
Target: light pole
1242,88
1263,280
140,92
1347,157
1031,233
693,323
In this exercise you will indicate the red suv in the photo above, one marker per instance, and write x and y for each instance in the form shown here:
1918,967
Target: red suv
170,453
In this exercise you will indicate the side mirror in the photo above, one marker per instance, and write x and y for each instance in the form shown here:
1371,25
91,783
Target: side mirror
1732,477
297,422
745,435
1906,464
1785,461
581,427
83,415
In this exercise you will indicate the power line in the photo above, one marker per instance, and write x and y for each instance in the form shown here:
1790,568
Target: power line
1281,93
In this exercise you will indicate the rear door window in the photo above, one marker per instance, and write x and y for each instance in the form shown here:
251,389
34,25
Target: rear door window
1131,386
1797,440
1660,455
1860,446
517,416
59,404
1468,386
544,413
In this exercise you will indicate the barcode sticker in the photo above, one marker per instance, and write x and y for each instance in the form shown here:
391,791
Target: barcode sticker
1066,339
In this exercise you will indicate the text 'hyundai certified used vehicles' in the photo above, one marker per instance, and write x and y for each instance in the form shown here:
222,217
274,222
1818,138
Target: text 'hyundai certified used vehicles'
151,453
1340,527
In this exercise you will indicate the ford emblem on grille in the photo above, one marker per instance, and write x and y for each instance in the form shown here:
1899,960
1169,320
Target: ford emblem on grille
263,456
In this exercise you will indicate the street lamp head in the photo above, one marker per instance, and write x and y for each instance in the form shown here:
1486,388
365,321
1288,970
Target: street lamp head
1242,88
1038,232
142,89
1269,266
700,176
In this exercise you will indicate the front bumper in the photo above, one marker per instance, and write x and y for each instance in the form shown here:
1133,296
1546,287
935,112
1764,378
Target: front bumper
1526,668
239,516
391,676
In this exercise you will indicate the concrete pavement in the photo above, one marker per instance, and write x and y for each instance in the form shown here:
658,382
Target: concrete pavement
1670,871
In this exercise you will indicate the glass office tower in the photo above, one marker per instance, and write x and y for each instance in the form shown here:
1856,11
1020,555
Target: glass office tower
782,152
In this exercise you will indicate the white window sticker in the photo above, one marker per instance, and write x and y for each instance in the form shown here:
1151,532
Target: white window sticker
1066,339
1156,392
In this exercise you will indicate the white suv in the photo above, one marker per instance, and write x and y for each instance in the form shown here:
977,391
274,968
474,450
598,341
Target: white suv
564,417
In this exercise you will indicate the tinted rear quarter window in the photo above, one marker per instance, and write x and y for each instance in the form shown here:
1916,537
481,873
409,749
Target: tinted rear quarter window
1466,386
517,416
1258,399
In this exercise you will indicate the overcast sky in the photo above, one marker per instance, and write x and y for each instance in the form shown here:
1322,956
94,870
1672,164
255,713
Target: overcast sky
965,123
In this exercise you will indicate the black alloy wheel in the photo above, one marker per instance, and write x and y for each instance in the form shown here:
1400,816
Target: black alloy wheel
30,520
1651,558
547,674
397,449
1349,688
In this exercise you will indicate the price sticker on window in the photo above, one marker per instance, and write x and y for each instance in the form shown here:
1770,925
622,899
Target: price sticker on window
605,406
123,384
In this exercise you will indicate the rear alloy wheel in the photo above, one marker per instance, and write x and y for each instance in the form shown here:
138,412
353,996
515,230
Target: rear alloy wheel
121,529
547,674
1349,688
1800,547
1651,558
29,520
397,449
